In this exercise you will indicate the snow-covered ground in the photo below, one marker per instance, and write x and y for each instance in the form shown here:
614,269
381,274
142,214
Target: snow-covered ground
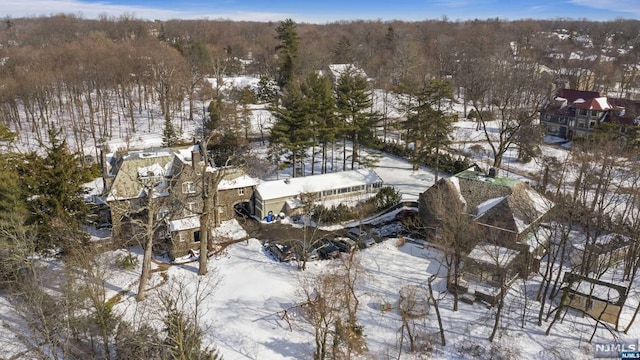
249,292
246,292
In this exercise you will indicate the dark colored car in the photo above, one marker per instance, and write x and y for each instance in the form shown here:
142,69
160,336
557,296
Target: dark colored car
279,252
328,251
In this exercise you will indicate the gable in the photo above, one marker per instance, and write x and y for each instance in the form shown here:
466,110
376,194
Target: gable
506,203
127,183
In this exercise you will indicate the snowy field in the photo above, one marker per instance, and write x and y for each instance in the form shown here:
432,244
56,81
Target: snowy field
247,292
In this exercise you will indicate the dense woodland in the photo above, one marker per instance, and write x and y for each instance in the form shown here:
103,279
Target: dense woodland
94,74
72,83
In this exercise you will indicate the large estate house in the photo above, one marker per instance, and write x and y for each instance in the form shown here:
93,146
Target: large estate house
573,113
504,216
159,192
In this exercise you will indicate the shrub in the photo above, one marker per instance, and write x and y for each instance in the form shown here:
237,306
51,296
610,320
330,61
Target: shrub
448,163
127,262
386,197
333,215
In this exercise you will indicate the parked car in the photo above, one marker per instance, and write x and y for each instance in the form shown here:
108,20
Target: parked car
344,244
279,252
328,251
362,238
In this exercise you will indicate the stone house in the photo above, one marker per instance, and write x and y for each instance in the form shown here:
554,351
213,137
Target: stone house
166,184
504,216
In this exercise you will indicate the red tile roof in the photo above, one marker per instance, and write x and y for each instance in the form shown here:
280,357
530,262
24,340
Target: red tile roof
572,95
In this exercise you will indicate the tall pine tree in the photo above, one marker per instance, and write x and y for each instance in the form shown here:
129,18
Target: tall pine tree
54,184
321,112
291,131
428,126
12,197
287,49
169,134
354,107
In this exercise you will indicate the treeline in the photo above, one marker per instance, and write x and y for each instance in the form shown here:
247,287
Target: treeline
96,77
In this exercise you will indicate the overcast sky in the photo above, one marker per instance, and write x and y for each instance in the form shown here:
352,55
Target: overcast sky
323,11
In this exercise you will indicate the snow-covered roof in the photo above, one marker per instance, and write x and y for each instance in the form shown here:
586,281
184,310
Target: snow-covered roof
290,187
508,203
189,223
127,183
601,292
536,238
488,204
185,154
237,183
492,255
603,243
154,169
599,103
137,165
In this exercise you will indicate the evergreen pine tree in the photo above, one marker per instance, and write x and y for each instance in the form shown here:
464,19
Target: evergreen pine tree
354,106
291,130
287,50
428,127
54,184
12,198
169,134
321,112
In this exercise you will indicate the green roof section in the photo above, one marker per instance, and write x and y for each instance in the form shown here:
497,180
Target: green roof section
470,174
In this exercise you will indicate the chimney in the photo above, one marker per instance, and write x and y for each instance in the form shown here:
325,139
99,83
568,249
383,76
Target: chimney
107,174
195,158
492,172
103,162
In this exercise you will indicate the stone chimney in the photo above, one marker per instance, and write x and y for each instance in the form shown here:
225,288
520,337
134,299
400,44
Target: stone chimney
195,158
107,178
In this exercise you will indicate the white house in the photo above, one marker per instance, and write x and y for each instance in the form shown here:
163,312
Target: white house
285,196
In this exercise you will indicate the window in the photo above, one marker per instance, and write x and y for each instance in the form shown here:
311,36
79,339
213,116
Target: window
190,209
588,304
241,191
592,124
163,213
583,111
188,187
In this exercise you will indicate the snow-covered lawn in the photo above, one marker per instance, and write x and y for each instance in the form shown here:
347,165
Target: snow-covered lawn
249,292
245,293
